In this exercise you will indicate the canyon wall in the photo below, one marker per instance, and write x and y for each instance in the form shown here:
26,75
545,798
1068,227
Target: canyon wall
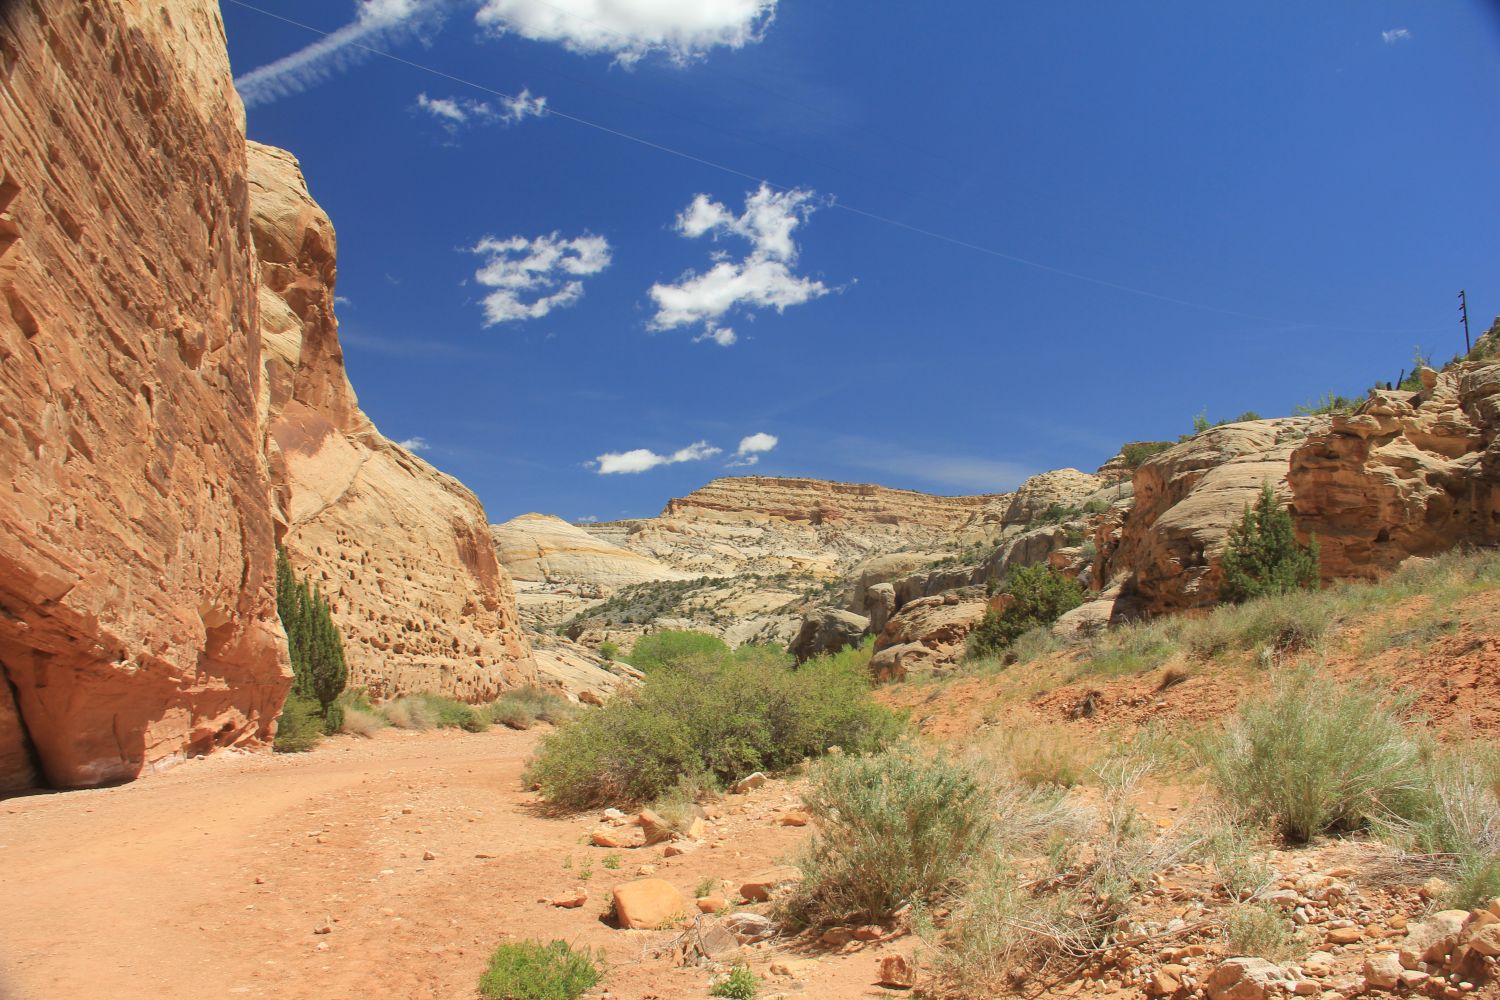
402,551
137,615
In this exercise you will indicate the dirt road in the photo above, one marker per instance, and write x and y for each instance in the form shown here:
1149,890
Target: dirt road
211,880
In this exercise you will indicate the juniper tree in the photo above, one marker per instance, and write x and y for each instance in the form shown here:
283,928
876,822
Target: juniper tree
1264,556
317,653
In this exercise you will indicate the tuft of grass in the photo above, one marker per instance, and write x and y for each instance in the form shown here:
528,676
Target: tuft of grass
530,970
1315,757
740,984
433,711
712,720
523,707
1256,930
893,828
612,861
1046,756
1456,829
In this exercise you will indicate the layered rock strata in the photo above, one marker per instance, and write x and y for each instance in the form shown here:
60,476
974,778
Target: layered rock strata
137,615
402,551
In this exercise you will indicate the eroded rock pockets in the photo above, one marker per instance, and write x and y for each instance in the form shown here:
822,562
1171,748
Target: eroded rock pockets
137,618
401,550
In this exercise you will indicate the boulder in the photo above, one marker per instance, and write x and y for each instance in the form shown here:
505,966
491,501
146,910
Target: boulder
924,635
1247,979
648,904
1382,971
1431,939
827,630
895,971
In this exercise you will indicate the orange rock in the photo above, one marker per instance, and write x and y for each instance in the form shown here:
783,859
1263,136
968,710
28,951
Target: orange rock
648,903
895,970
656,828
571,900
712,904
1345,935
794,818
611,838
759,887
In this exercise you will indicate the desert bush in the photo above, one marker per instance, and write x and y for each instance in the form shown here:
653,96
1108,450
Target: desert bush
1137,452
1040,596
433,711
1330,402
1284,622
713,719
530,970
1045,756
521,708
1264,556
739,984
671,647
1456,828
608,650
1258,930
1315,757
893,828
299,726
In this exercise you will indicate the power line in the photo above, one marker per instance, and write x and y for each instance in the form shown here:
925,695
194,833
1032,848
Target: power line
833,202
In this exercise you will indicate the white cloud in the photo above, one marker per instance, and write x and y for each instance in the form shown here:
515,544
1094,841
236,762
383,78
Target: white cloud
642,459
763,279
343,300
682,30
587,519
533,277
452,112
414,444
752,447
1395,35
376,21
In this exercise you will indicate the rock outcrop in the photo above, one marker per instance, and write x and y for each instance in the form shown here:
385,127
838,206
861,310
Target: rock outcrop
1165,550
1409,473
137,615
827,630
927,634
541,548
402,551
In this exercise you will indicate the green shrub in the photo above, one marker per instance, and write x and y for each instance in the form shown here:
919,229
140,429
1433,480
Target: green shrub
1295,620
893,828
1317,757
740,984
1257,930
1264,556
1331,402
1137,452
710,720
1040,596
1457,825
299,725
671,647
608,650
530,970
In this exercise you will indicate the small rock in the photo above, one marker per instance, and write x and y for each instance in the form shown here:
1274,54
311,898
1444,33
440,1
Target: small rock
609,838
760,887
748,783
323,929
1345,935
750,927
712,904
428,856
796,968
657,829
1486,940
1382,971
1433,888
1247,979
1165,981
571,900
869,932
792,819
836,937
895,970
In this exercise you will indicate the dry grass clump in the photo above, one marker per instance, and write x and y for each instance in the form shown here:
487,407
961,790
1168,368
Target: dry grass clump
1455,832
524,707
1263,931
1316,757
361,723
1045,755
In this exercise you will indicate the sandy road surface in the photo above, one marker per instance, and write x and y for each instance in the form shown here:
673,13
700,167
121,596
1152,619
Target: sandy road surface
149,890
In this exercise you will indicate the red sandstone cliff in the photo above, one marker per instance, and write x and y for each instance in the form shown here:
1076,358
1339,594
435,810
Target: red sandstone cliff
137,618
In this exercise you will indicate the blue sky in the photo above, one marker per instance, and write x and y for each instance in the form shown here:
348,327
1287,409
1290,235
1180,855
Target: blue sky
1233,206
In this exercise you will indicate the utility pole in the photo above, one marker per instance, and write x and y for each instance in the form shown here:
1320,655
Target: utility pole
1463,312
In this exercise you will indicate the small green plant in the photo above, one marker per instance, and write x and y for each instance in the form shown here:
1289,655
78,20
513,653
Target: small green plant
893,828
299,725
608,650
586,870
740,984
530,970
1330,402
1317,757
1256,930
706,887
1039,596
611,861
1264,556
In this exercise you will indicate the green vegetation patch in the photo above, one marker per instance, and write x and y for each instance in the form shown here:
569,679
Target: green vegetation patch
530,970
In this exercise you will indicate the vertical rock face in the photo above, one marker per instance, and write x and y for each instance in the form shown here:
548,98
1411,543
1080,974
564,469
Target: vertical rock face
402,551
1409,473
137,617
